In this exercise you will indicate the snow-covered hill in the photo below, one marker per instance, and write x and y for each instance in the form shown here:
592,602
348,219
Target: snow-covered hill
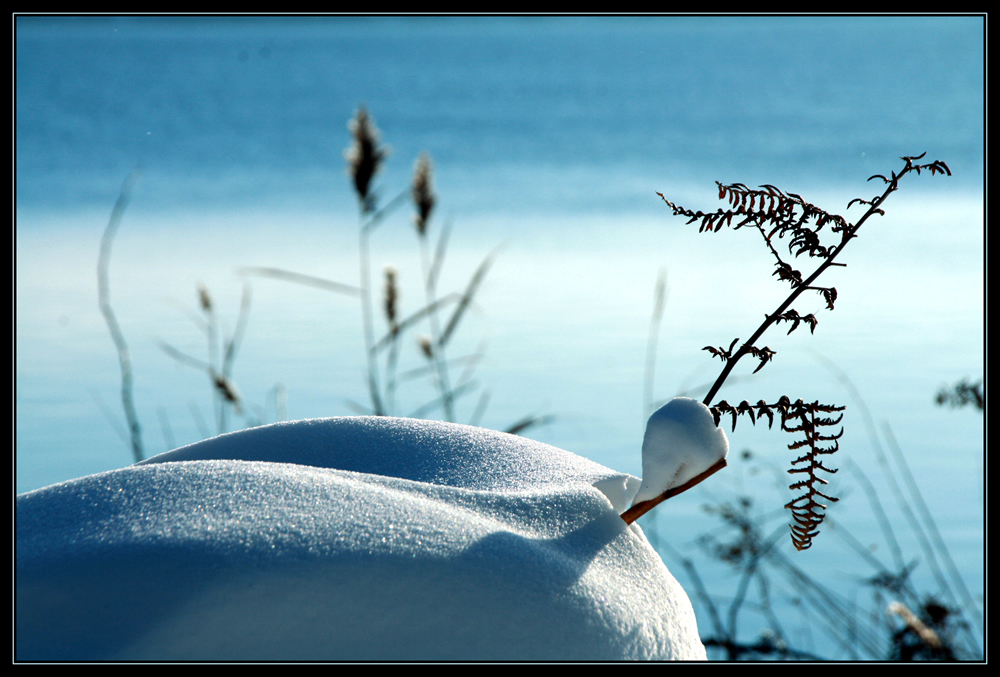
346,539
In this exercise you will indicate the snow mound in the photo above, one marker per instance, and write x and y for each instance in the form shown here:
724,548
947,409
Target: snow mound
346,539
681,442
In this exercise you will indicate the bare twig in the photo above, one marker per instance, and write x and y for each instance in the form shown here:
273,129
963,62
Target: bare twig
299,278
659,300
104,301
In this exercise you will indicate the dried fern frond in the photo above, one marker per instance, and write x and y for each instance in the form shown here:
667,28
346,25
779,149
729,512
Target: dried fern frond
803,228
777,214
807,511
807,419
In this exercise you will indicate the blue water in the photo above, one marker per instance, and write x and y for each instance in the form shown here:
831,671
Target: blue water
796,98
549,137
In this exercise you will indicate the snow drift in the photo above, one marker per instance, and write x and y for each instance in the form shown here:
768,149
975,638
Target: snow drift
346,539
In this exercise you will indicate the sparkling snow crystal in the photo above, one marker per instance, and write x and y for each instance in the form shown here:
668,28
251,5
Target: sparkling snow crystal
681,441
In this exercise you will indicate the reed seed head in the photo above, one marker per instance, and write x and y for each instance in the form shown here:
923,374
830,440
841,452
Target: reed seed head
391,295
426,346
228,391
204,298
364,157
423,192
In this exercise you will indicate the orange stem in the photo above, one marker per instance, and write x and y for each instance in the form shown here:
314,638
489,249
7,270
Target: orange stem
640,509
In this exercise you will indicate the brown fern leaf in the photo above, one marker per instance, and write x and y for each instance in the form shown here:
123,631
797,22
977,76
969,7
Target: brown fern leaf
744,408
763,354
721,408
793,317
721,352
764,410
773,212
829,295
786,272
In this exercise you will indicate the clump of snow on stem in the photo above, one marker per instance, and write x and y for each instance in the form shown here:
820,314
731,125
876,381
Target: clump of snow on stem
681,442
